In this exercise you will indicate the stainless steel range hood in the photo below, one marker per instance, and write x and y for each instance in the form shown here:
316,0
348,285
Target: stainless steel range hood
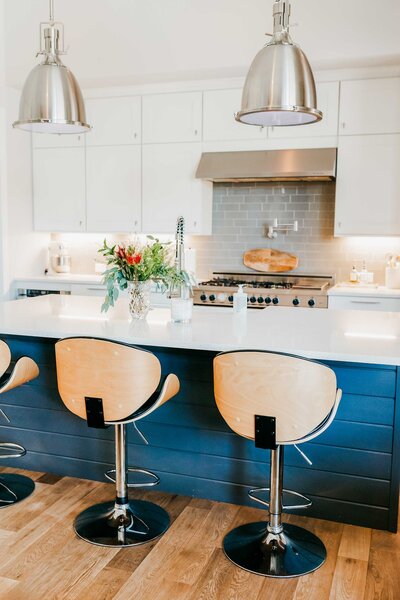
316,164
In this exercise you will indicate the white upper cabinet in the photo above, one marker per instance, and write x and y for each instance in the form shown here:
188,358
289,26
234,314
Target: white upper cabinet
170,189
172,118
59,189
58,140
370,106
113,188
328,103
219,124
114,121
368,186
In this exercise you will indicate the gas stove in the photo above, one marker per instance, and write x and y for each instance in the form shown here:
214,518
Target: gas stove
266,289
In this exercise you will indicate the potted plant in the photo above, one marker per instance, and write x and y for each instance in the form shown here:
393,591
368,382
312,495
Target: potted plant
134,267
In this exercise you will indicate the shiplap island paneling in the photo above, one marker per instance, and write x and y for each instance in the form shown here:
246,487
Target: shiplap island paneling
353,478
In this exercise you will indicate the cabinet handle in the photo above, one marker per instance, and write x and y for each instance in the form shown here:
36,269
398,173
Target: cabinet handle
194,223
343,125
80,223
365,302
339,224
135,135
135,223
195,132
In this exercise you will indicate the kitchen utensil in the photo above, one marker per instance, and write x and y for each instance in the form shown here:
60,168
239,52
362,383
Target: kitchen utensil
269,260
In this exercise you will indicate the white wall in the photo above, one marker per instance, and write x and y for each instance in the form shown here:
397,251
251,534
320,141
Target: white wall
26,249
124,42
3,164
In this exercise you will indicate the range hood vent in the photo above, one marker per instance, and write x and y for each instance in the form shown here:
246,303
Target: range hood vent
316,164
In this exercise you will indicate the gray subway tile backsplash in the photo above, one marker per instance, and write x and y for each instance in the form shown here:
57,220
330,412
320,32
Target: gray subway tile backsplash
242,212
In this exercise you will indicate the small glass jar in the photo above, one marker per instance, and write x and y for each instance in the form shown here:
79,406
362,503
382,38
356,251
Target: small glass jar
181,310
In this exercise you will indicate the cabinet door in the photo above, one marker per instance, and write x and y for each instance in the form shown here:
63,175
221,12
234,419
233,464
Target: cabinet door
114,121
79,289
59,189
172,118
370,106
58,140
113,188
328,103
368,184
219,122
170,189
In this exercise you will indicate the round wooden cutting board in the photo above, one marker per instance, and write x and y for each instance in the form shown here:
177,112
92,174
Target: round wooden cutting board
268,260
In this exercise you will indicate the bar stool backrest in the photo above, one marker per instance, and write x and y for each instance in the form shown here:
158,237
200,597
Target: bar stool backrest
122,376
5,357
299,393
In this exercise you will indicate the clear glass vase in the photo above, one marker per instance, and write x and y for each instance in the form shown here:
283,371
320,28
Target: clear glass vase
139,299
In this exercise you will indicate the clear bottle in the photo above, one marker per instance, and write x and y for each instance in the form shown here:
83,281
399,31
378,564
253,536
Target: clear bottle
354,275
240,301
364,275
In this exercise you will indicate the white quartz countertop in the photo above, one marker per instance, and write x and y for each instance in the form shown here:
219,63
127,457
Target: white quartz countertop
352,336
367,291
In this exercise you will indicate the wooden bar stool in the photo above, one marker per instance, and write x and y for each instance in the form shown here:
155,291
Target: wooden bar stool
109,383
275,400
13,487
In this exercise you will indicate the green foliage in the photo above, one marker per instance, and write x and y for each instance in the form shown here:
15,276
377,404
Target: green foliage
135,262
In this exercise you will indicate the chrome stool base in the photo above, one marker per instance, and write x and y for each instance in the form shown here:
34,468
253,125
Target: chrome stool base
135,523
292,553
14,488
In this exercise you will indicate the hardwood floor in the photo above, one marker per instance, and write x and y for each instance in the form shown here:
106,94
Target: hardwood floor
41,558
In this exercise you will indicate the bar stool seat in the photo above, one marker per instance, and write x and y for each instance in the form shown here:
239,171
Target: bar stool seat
14,487
108,383
275,400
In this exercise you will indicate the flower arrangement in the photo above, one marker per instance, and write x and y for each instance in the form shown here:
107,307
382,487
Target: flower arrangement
135,264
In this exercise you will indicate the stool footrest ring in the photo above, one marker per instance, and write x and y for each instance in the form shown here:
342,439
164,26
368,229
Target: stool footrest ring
19,450
110,475
252,494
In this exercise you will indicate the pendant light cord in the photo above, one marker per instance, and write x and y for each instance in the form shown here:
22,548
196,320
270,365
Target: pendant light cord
51,10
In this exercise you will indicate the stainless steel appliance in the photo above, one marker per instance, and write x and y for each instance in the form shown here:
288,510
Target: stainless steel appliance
33,293
266,289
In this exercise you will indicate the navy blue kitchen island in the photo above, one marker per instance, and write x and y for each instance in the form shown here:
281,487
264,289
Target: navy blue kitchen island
354,477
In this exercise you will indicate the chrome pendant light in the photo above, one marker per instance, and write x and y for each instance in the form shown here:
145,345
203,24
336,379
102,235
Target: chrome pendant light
279,87
51,99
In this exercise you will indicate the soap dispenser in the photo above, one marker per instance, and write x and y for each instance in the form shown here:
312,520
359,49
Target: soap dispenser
240,301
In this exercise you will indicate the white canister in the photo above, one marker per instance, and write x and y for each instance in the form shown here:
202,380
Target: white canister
392,278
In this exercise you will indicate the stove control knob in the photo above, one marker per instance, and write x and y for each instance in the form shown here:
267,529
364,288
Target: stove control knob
267,300
221,297
275,300
230,298
260,300
311,302
212,297
253,299
296,302
203,297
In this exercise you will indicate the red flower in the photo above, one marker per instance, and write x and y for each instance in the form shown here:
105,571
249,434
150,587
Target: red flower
133,259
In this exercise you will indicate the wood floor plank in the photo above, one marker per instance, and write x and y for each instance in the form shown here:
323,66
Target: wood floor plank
350,579
156,567
6,585
383,576
355,542
222,580
317,585
49,478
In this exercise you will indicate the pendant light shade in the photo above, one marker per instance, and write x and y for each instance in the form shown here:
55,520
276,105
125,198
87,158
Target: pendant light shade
279,89
51,99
